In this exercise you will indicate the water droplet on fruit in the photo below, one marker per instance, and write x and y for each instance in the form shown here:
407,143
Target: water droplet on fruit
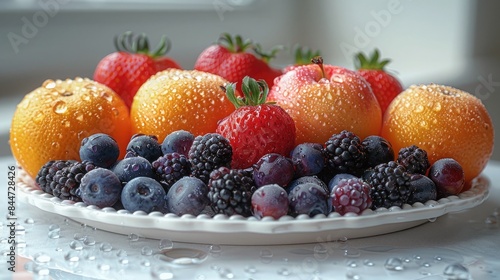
39,117
395,264
49,84
456,272
337,79
419,109
423,124
60,107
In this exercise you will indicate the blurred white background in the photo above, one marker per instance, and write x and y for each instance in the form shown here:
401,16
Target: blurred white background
453,42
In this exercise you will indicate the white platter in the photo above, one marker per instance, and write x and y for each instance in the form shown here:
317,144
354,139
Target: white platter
237,230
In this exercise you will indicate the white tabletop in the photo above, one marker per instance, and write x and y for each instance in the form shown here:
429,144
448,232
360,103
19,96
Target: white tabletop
462,245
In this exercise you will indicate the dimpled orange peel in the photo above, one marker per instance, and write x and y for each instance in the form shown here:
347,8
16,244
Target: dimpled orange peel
174,99
50,122
444,121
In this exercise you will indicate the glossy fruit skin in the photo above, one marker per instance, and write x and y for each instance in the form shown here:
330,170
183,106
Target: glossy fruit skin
125,70
322,106
132,167
306,179
351,196
179,141
145,146
100,187
270,201
448,175
336,179
231,60
254,131
100,149
51,121
445,122
174,100
308,159
310,199
423,189
143,194
378,150
385,86
273,169
187,196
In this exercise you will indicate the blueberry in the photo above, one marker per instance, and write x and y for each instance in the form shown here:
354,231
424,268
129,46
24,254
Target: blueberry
100,149
145,146
306,179
308,159
179,141
310,199
130,168
273,169
270,200
422,188
100,187
336,179
378,150
143,194
189,195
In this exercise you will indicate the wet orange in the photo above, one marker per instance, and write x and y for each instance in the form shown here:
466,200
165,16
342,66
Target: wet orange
180,99
50,122
444,121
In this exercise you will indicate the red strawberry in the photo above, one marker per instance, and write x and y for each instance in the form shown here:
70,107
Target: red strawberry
230,59
132,64
256,128
384,85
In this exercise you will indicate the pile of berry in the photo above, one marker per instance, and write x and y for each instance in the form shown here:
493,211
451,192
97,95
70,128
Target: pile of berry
191,175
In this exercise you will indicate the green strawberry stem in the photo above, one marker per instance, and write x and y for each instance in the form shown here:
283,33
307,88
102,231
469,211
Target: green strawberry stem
236,44
267,56
254,93
140,45
318,60
370,63
304,56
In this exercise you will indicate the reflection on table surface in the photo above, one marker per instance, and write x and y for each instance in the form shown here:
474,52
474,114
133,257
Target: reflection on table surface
461,245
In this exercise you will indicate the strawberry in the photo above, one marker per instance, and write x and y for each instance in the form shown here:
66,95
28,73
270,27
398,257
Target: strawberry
125,70
256,128
384,85
230,58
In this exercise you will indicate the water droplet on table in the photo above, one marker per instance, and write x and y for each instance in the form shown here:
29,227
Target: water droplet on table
368,262
89,241
165,244
250,269
183,256
395,264
161,272
284,272
266,256
54,231
146,251
105,247
72,257
215,250
352,275
41,258
456,271
76,245
133,237
226,273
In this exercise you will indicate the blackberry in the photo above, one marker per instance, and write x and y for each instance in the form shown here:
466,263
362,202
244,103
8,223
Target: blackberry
414,159
230,191
66,181
170,168
378,150
207,153
344,153
46,174
390,185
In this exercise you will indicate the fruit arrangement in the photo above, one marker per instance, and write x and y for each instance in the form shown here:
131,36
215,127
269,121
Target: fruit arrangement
308,139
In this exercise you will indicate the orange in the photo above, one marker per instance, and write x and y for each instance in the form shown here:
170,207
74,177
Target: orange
180,100
444,121
50,122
